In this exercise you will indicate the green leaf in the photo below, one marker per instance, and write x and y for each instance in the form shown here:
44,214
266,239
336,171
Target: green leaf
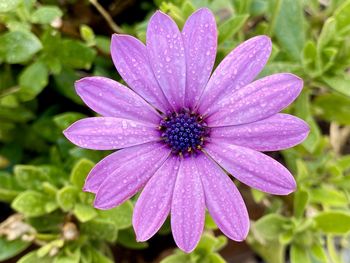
48,222
334,107
8,5
64,120
8,249
309,53
210,243
120,216
68,256
97,256
32,257
318,252
327,196
66,197
103,43
32,80
127,239
18,46
343,162
29,176
206,243
301,199
258,196
100,230
174,11
9,188
216,258
30,203
78,153
44,250
176,258
84,213
188,8
270,226
333,222
339,83
16,114
80,171
76,54
299,254
87,34
302,110
46,14
54,174
51,41
64,84
329,55
209,222
289,26
231,27
342,16
327,34
258,7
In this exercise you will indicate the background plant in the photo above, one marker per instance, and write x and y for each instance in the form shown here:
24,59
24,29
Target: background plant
46,45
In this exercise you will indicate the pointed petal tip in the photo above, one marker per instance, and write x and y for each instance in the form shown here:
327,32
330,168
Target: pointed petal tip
140,238
241,235
204,10
88,190
307,129
159,12
81,84
265,38
156,14
140,235
291,187
66,133
297,78
78,87
187,249
115,37
159,15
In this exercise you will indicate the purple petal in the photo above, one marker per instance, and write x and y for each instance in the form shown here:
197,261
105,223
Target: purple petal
200,40
112,99
153,205
188,208
278,132
108,133
259,100
238,69
131,60
223,200
114,161
253,168
167,57
124,182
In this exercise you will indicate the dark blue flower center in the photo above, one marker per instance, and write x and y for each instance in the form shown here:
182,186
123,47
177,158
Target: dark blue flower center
184,132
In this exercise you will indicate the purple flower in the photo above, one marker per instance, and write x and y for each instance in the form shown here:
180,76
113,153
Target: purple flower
181,130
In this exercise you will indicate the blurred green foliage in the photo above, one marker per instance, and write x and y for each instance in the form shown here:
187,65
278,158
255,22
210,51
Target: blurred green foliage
44,49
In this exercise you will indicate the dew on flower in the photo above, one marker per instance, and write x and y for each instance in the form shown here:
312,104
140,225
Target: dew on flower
181,131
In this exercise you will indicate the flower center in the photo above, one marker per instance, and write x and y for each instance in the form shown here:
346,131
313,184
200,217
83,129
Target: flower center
184,132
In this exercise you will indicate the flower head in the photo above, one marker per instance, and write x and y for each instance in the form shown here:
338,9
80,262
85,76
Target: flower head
180,130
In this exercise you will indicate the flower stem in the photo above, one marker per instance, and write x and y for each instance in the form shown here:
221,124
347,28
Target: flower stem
106,16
